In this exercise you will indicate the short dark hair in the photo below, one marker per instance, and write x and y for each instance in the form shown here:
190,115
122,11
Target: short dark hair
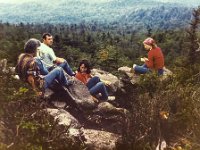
31,45
87,65
44,36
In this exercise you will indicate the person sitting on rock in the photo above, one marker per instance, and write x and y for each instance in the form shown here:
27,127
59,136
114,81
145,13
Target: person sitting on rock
94,84
31,70
155,60
48,57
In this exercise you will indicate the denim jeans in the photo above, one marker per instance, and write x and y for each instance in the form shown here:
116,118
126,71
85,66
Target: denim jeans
49,77
67,68
160,72
141,69
95,87
144,69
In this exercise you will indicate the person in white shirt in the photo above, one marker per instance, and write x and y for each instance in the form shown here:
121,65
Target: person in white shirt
48,57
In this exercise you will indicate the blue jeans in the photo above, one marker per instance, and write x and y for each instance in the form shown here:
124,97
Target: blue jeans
95,87
144,69
67,68
141,69
49,77
160,72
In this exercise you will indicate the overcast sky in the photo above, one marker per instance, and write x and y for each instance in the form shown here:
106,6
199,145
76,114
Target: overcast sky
22,1
100,1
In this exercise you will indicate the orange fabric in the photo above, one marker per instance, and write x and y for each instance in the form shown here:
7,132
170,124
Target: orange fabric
155,59
83,77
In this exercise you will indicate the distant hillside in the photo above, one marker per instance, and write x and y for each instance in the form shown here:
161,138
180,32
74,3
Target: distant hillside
136,12
161,17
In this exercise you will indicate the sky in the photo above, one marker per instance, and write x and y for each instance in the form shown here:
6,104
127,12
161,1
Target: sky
22,1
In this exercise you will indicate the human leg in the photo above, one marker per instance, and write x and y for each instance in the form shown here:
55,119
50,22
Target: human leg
57,74
141,69
67,68
43,69
92,82
99,88
160,72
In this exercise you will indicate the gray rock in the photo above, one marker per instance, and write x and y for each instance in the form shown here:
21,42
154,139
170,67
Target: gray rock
66,119
126,70
81,95
133,78
106,107
48,93
59,104
106,76
100,140
3,66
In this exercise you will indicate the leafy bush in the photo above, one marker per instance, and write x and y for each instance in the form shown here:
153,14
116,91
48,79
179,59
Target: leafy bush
26,124
167,109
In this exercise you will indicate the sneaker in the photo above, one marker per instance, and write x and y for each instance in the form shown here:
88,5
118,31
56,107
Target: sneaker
134,65
74,74
111,98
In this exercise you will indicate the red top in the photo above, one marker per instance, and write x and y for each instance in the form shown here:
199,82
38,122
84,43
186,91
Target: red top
155,59
83,77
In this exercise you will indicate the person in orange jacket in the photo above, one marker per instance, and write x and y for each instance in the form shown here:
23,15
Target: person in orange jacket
94,84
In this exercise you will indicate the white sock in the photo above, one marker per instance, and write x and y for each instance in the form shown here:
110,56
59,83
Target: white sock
134,65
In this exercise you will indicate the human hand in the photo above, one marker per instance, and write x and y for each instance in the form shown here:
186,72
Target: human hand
144,59
39,94
95,99
60,60
107,83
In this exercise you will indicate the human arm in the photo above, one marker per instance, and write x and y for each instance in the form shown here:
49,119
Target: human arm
42,67
150,61
59,60
53,57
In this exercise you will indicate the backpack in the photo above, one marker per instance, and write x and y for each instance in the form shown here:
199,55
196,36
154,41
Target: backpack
26,66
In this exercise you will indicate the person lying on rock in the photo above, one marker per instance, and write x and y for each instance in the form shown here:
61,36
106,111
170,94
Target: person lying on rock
155,60
94,84
31,70
48,57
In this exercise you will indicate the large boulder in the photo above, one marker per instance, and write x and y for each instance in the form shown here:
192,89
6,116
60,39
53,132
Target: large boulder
100,140
108,77
81,95
93,139
106,107
96,135
65,118
76,95
134,78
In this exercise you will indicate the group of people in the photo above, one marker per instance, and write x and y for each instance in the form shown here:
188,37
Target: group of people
40,67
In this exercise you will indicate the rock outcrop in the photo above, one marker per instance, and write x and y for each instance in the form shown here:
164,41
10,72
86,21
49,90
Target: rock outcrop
93,139
98,125
107,77
134,78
